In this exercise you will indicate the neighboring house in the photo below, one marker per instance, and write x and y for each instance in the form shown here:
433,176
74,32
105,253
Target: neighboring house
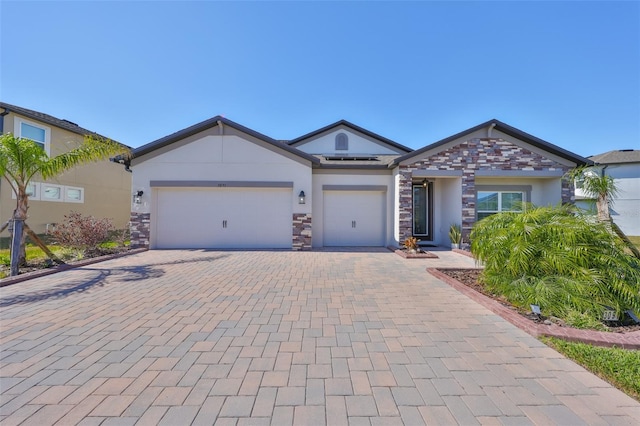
218,184
101,189
624,167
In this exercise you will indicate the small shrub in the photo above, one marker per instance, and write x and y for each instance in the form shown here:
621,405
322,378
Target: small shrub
581,320
82,233
411,243
455,233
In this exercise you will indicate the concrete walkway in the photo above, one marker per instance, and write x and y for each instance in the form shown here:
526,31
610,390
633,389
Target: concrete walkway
197,337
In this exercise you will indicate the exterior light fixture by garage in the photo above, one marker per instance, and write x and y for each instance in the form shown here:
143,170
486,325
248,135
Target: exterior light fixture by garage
301,197
424,182
137,197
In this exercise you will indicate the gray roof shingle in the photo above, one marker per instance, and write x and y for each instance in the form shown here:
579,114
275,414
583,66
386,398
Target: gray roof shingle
617,157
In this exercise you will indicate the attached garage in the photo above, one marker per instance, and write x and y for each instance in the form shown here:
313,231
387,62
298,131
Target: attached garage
354,216
227,216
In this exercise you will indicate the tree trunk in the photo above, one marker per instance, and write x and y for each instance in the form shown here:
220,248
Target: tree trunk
602,205
15,246
20,213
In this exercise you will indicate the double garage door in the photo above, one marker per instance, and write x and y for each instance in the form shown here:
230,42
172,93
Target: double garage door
223,218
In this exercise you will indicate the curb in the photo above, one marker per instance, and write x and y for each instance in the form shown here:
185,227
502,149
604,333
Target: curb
597,338
65,267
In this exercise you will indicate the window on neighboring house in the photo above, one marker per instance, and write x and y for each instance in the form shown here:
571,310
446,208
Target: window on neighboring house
492,202
51,192
342,142
73,194
32,191
29,130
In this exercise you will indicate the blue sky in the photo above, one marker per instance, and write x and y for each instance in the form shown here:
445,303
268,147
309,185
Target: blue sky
415,72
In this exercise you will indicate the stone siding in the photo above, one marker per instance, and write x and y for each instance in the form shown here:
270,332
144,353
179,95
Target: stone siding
468,157
140,226
301,231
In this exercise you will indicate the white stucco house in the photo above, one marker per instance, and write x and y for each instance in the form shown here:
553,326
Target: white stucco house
218,184
624,167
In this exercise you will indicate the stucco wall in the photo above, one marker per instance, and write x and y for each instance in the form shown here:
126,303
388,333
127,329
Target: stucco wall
106,186
210,156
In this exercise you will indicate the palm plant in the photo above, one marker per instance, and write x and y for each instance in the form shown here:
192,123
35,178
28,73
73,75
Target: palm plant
603,189
556,258
22,159
455,233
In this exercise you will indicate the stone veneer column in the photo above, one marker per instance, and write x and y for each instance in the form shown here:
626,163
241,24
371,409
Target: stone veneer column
468,202
140,228
301,231
405,209
568,192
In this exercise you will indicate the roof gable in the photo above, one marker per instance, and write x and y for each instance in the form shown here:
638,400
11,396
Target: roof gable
217,121
504,128
386,146
50,120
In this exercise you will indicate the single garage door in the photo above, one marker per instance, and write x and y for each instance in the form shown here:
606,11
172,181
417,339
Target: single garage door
354,218
223,218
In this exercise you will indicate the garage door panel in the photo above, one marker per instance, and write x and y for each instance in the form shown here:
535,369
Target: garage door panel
354,218
224,218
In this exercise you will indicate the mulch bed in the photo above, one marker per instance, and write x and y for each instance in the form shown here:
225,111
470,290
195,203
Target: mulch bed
469,277
415,254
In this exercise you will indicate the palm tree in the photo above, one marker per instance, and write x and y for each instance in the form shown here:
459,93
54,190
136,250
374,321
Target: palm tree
22,159
603,189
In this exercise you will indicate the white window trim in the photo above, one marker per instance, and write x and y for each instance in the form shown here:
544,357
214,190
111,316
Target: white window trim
36,190
71,200
525,197
51,185
17,127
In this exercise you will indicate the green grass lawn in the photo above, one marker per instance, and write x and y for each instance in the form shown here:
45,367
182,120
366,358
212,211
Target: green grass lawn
635,240
620,367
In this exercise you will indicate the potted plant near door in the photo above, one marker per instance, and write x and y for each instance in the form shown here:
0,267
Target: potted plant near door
455,235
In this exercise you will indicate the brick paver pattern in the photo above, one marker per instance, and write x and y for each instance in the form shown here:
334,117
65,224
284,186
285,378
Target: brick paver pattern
275,337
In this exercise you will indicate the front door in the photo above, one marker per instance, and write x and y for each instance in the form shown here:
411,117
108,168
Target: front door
422,222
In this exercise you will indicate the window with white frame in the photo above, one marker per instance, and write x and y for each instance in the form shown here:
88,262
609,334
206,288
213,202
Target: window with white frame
33,191
50,192
73,194
492,202
30,130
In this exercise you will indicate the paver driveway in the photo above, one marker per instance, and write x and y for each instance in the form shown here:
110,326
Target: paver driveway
181,337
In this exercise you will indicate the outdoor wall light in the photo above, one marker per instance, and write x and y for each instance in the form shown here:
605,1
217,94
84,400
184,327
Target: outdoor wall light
424,182
137,197
301,197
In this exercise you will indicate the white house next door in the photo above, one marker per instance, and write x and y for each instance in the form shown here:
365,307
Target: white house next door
354,218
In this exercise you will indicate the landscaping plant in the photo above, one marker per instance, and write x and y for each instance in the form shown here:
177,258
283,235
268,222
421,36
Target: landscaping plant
83,233
411,243
559,259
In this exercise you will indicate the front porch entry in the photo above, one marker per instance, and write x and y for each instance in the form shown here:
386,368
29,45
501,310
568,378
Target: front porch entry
422,210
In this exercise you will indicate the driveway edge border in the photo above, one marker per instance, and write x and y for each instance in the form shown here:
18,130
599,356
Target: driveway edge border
65,267
597,338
